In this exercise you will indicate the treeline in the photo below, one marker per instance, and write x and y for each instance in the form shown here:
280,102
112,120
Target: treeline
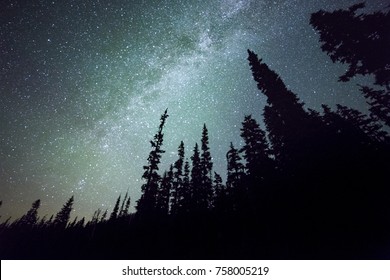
310,185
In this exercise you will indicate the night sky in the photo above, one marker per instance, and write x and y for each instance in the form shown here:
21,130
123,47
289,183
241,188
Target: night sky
84,83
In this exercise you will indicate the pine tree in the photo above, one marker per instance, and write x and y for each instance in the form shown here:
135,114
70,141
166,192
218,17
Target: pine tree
379,101
49,222
120,213
196,180
62,217
235,185
235,169
31,217
364,126
362,42
351,130
289,126
219,187
221,202
164,192
177,183
273,87
80,223
114,213
96,216
73,223
42,222
127,206
359,40
256,150
104,216
206,171
147,203
185,204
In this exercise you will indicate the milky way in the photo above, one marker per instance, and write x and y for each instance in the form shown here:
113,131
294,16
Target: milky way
83,85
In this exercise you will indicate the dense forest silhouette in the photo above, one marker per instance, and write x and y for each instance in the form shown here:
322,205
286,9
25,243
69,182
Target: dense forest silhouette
311,185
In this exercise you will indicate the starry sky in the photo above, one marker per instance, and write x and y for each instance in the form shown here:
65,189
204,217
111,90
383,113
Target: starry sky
84,83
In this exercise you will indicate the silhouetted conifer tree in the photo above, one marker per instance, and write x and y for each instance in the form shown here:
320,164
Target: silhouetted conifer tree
120,213
124,210
81,223
235,169
164,193
42,222
147,203
96,216
177,182
379,101
50,220
62,217
351,130
365,126
114,213
196,180
235,186
218,185
256,150
361,41
186,190
31,217
104,216
206,164
289,126
127,206
221,201
73,223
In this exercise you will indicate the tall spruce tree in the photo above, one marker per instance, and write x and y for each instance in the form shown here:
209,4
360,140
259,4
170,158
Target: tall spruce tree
289,126
186,190
361,41
127,206
147,203
62,217
235,169
218,185
73,223
114,213
196,181
164,193
351,130
104,216
206,171
49,222
365,126
95,218
80,224
120,213
256,151
221,204
177,182
31,217
379,101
